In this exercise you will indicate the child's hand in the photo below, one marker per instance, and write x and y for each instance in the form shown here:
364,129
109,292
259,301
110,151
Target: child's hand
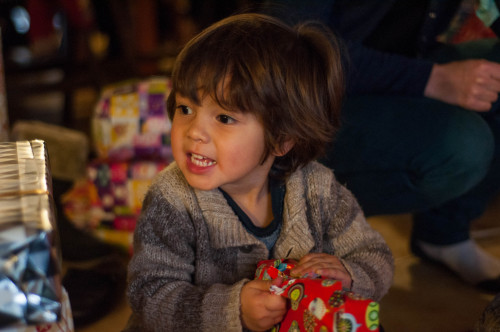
326,265
260,309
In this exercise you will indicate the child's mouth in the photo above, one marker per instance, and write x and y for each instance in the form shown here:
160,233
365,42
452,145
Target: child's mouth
201,161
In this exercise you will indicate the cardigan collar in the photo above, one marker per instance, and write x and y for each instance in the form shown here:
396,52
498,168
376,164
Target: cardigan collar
225,229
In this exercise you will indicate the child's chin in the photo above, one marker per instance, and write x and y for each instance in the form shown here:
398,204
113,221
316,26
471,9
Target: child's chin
201,186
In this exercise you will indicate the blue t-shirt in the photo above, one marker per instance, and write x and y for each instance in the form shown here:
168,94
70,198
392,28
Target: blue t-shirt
269,234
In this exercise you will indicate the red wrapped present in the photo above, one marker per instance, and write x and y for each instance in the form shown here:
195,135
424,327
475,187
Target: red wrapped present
318,304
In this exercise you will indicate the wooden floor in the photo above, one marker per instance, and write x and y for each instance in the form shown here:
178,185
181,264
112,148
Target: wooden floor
424,296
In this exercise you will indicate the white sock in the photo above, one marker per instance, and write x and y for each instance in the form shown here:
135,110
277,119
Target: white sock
467,259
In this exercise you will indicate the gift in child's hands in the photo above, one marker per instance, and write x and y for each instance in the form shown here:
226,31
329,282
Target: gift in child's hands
318,304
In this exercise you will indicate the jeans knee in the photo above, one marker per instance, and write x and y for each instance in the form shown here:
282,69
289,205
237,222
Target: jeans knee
459,160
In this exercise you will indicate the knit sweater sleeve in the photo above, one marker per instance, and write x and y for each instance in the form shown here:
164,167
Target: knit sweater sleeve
349,236
369,261
162,291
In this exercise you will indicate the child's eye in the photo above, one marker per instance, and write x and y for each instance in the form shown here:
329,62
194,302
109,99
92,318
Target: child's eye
226,119
185,109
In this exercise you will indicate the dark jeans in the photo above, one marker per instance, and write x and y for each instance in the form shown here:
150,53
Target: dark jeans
401,154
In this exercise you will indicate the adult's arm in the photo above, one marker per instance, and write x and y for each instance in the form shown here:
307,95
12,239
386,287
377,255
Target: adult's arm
471,84
367,70
373,72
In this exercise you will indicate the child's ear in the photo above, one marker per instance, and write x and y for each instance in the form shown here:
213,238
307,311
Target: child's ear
284,148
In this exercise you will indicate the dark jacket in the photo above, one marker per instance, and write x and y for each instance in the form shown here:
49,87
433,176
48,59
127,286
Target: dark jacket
371,71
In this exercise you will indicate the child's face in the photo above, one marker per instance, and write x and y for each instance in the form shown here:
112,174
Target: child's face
215,147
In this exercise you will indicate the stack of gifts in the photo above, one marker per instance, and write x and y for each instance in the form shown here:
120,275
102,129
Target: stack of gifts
131,136
32,297
131,122
318,304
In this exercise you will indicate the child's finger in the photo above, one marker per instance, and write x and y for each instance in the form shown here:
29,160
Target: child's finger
276,305
262,285
313,259
314,256
315,262
337,274
332,273
277,281
308,257
309,266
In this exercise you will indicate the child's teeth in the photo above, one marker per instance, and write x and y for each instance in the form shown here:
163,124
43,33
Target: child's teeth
201,161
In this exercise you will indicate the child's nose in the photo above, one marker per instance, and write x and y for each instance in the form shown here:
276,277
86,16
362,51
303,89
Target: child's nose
198,131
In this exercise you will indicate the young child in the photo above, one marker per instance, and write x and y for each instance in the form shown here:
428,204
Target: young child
253,104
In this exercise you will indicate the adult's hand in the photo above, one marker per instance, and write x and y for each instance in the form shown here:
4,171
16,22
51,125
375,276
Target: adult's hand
471,84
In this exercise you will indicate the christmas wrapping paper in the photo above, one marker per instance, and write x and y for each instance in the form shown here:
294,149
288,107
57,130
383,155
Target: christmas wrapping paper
318,304
131,136
30,261
109,200
130,121
65,324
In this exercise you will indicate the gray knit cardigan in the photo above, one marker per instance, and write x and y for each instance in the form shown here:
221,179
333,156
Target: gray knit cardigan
192,255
